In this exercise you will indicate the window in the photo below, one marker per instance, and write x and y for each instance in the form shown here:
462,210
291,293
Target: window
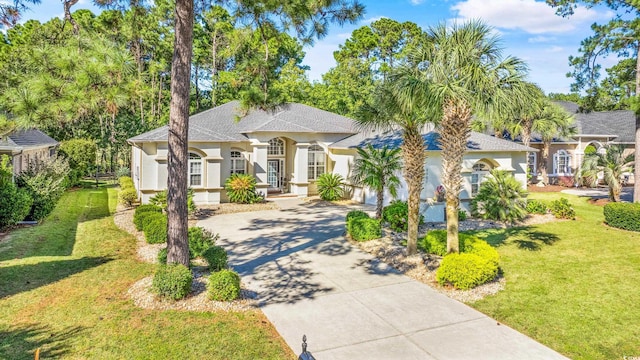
531,164
316,162
195,170
237,163
561,163
276,147
480,171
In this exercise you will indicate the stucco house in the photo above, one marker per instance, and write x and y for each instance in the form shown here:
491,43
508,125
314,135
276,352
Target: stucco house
596,128
27,147
287,149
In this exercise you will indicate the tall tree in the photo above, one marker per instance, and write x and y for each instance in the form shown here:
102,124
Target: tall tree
620,36
553,122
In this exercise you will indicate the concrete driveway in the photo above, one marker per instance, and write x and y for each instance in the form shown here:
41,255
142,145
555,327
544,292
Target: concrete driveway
309,280
601,193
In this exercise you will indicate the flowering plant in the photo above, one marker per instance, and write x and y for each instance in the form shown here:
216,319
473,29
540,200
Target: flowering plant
440,191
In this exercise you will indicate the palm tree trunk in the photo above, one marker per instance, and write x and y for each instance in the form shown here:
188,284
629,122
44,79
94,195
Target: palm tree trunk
379,201
544,161
414,154
177,243
636,172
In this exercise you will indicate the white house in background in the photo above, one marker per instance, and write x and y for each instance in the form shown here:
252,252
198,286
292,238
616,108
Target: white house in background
287,149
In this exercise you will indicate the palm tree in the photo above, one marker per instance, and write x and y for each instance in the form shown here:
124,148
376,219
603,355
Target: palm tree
376,168
612,163
553,122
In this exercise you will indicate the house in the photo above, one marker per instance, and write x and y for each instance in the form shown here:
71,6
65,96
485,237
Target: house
596,129
27,148
289,148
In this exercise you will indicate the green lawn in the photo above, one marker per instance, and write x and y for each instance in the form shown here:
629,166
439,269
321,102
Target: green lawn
63,288
572,285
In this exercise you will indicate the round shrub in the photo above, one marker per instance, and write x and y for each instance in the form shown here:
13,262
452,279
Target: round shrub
561,209
15,204
477,246
462,215
536,207
128,196
396,215
241,189
155,231
172,281
623,215
224,285
125,182
330,186
216,256
162,256
200,240
354,214
364,229
147,208
501,197
143,219
465,271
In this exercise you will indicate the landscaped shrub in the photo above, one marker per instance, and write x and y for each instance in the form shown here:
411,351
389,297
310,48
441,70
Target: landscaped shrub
536,207
465,271
172,281
354,214
160,199
155,231
241,189
216,256
561,209
125,182
330,186
396,215
15,204
623,215
435,242
144,218
462,215
123,171
45,184
501,197
81,154
364,229
162,256
128,196
224,285
200,240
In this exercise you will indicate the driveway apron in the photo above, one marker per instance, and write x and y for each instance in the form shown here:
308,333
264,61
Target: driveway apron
309,280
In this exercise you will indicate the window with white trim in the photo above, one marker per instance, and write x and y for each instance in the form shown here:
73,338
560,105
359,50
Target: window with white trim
532,163
316,162
480,171
238,163
195,170
276,147
562,163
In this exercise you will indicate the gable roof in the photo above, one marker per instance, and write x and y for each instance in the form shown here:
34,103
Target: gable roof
619,125
223,123
393,139
29,138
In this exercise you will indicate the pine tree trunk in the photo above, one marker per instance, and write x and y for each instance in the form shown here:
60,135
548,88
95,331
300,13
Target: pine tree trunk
414,154
177,243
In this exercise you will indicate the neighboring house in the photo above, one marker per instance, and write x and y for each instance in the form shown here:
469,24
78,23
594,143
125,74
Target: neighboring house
27,148
597,128
288,149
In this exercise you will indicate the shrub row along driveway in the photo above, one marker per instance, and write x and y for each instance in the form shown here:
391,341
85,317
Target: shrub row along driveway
310,281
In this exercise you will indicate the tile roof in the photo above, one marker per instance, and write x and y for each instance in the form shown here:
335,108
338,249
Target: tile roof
223,123
393,139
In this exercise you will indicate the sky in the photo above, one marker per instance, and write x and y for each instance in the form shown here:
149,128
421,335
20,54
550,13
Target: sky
530,30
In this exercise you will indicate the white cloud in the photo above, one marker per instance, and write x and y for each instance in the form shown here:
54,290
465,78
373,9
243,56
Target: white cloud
531,16
416,2
541,39
372,19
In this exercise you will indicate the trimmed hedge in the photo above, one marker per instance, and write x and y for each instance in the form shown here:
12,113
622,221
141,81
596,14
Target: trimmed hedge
128,196
15,204
354,214
155,231
623,215
126,182
435,242
172,281
224,285
364,229
143,219
200,240
216,256
396,215
465,271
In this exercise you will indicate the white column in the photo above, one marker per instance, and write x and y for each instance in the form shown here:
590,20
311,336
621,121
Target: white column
300,181
260,167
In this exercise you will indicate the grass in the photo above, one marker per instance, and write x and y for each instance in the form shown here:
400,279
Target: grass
63,288
572,285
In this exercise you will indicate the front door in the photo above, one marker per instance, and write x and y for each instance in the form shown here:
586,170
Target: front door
274,174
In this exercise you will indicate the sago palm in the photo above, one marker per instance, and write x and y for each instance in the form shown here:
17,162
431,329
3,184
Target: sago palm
612,163
376,168
501,197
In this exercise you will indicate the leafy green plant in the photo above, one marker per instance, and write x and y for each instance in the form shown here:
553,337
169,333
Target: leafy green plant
354,214
435,242
15,204
155,231
81,154
172,281
224,285
125,182
142,219
241,189
123,171
623,215
128,196
160,199
611,164
501,197
200,240
465,271
162,256
561,209
462,215
396,215
536,207
216,257
364,229
330,186
45,184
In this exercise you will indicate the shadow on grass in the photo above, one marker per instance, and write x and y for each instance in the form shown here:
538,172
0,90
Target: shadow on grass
22,342
525,238
19,278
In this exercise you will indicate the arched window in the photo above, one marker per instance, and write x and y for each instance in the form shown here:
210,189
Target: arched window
237,162
561,163
195,169
276,147
480,171
316,162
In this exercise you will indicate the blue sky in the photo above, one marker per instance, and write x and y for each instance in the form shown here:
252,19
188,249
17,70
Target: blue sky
529,29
